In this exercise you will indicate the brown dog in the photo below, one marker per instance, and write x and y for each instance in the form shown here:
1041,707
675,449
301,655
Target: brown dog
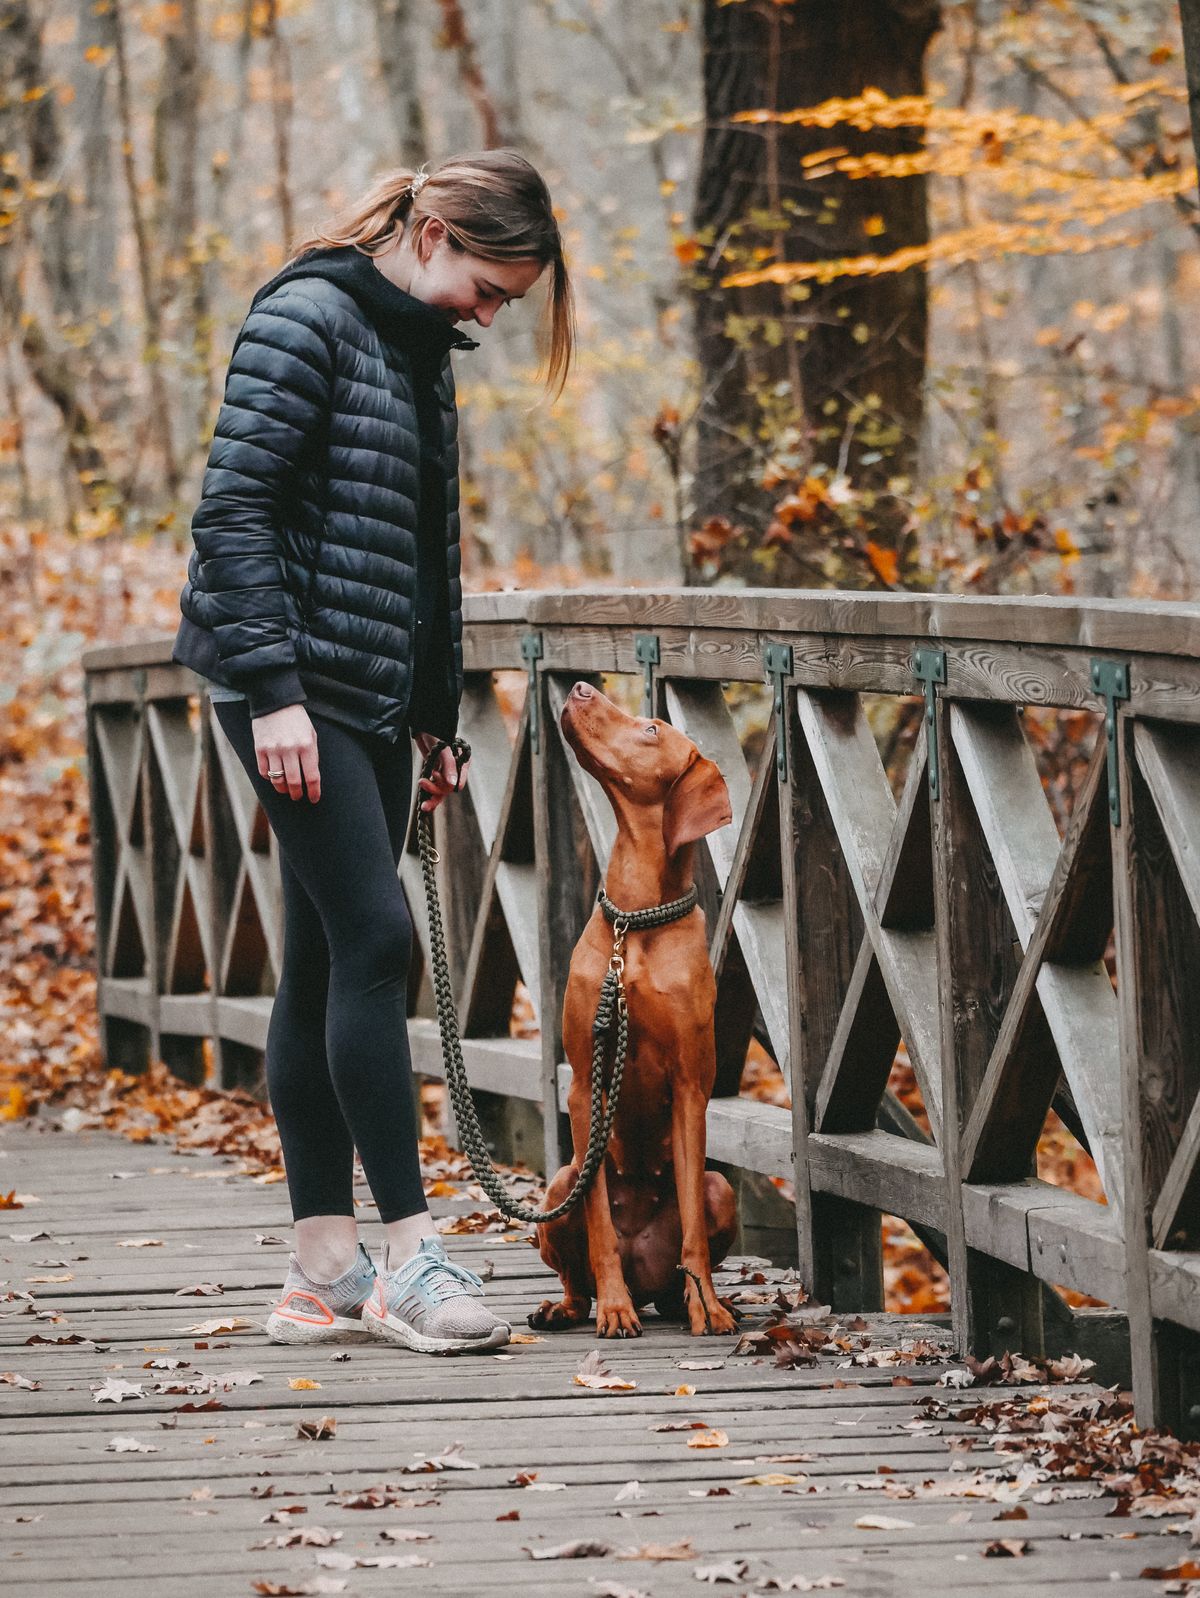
652,1206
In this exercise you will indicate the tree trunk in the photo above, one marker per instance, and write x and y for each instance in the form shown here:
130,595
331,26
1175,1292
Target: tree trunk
99,212
806,358
398,66
1189,19
160,416
44,141
31,140
177,146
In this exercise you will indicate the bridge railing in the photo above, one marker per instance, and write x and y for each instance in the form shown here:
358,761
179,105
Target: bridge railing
857,901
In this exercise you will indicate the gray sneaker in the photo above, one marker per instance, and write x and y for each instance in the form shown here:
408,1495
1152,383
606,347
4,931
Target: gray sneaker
322,1312
432,1304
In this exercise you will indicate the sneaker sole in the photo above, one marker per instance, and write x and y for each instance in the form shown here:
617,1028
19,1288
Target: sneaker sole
393,1330
287,1329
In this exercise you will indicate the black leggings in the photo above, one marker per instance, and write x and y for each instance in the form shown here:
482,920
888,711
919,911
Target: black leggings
339,1073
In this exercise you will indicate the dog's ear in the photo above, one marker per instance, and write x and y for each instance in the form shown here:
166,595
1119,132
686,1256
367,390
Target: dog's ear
697,803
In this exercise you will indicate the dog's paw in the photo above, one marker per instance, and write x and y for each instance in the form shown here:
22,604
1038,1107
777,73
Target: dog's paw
708,1315
552,1316
718,1323
618,1319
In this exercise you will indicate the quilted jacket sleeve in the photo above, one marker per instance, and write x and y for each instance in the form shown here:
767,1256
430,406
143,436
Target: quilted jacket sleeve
275,409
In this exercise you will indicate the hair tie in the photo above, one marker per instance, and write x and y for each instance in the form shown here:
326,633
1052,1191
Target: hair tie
418,182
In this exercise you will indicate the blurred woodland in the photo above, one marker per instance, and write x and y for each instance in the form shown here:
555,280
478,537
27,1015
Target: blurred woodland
892,294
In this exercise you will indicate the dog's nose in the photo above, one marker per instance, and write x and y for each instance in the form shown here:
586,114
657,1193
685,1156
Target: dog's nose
582,690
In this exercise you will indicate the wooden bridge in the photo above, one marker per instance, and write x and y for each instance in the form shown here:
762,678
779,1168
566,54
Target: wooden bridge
152,1441
896,871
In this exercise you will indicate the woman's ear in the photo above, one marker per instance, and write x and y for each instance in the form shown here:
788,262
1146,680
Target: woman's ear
697,803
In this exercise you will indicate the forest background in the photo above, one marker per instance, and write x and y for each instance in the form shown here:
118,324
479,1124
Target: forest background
893,295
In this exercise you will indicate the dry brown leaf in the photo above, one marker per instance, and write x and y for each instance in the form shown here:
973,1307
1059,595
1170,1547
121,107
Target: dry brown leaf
317,1431
677,1550
1006,1548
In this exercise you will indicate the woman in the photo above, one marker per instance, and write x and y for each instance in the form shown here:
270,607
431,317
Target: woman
324,602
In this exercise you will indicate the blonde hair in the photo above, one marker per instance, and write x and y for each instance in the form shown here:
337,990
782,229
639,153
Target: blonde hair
492,203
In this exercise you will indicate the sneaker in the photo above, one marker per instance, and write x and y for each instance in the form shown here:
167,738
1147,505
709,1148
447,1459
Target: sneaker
322,1312
431,1303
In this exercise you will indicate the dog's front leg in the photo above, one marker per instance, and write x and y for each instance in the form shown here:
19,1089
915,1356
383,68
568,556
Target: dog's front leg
615,1314
706,1314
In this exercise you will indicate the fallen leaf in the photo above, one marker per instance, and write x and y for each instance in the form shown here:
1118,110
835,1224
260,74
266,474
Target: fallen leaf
297,1383
232,1323
317,1431
715,1438
801,1584
114,1389
731,1570
130,1445
677,1550
450,1458
593,1372
1014,1548
581,1548
771,1479
883,1523
301,1537
142,1242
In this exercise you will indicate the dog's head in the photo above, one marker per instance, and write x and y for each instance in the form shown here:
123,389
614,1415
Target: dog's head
640,760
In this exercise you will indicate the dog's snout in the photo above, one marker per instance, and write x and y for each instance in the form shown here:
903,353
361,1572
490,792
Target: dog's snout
582,690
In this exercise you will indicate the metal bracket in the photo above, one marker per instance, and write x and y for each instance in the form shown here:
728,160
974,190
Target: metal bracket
645,647
778,660
531,653
1110,679
929,666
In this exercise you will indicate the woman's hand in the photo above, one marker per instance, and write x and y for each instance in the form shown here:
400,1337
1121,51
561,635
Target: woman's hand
285,742
441,780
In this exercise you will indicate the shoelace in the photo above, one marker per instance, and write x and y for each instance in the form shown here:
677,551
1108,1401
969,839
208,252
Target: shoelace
444,1275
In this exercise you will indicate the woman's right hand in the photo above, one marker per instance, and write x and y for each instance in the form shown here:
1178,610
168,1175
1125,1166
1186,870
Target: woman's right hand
285,742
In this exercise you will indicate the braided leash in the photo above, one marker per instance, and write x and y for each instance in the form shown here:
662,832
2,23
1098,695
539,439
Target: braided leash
611,1005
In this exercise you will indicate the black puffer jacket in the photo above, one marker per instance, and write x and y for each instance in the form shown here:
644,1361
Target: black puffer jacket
303,585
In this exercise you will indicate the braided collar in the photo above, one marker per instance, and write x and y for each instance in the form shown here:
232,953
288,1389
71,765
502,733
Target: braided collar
655,915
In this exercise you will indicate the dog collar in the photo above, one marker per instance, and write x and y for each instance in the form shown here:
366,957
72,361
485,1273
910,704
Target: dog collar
655,915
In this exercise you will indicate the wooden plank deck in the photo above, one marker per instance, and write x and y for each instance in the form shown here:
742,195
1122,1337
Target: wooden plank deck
81,1520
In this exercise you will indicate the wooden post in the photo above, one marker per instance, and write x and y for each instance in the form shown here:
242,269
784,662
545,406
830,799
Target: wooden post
840,1242
565,889
1158,1009
995,1307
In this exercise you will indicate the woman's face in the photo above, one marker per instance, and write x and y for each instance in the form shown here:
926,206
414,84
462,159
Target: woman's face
466,287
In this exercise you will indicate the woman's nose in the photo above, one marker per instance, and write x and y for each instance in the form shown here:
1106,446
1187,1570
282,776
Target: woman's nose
483,315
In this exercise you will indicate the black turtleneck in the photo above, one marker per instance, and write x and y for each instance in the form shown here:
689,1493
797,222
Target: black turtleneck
424,334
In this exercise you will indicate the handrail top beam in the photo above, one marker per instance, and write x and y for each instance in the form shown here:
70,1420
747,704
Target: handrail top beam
1122,626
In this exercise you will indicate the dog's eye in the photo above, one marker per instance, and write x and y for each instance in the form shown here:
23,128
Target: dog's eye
652,729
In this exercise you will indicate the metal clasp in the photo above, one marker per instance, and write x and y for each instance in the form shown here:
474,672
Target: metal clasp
777,659
1111,679
531,653
645,648
929,667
